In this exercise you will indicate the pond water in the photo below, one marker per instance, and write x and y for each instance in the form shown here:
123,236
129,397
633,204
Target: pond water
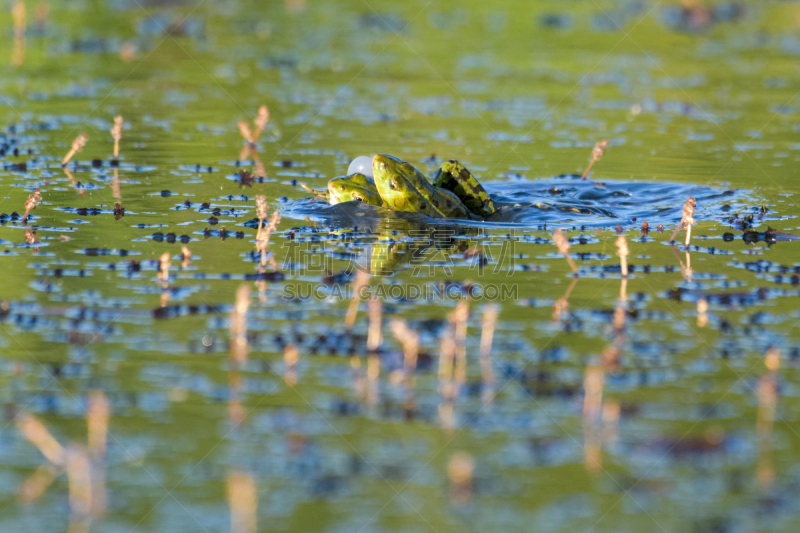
665,400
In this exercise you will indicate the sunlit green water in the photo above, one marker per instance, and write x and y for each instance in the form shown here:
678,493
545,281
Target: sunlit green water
518,91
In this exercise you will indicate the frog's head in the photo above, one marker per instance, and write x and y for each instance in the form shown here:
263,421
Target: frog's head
355,187
392,177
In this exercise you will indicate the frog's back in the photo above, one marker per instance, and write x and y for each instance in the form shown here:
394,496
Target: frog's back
444,202
454,177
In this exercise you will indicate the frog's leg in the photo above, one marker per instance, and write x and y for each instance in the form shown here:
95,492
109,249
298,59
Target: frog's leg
318,195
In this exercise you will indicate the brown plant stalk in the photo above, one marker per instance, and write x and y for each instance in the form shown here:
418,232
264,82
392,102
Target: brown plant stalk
686,220
562,243
597,153
623,252
77,146
487,335
116,133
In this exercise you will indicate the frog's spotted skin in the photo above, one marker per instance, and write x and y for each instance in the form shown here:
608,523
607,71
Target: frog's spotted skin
355,187
454,177
404,188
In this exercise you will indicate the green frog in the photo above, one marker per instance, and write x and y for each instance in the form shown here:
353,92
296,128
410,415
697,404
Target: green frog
400,186
454,177
353,188
404,188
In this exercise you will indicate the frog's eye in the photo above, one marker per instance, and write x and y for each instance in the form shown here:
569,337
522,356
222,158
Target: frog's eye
392,184
358,198
341,187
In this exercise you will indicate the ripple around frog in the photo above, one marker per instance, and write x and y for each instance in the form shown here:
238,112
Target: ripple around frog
554,201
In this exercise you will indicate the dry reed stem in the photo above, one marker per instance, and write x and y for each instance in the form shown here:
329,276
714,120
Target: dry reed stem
561,306
98,487
373,375
259,171
261,286
359,387
487,335
116,191
18,53
361,280
687,219
37,483
163,269
410,341
251,136
562,243
702,313
244,155
290,358
262,239
77,146
446,357
611,413
623,252
374,336
459,318
97,417
597,153
186,257
261,214
767,403
74,182
686,270
30,236
33,430
238,325
768,392
243,502
236,413
31,203
618,319
260,122
447,416
116,133
460,469
593,453
620,313
261,210
592,448
18,14
127,52
79,476
244,130
593,382
593,392
40,16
